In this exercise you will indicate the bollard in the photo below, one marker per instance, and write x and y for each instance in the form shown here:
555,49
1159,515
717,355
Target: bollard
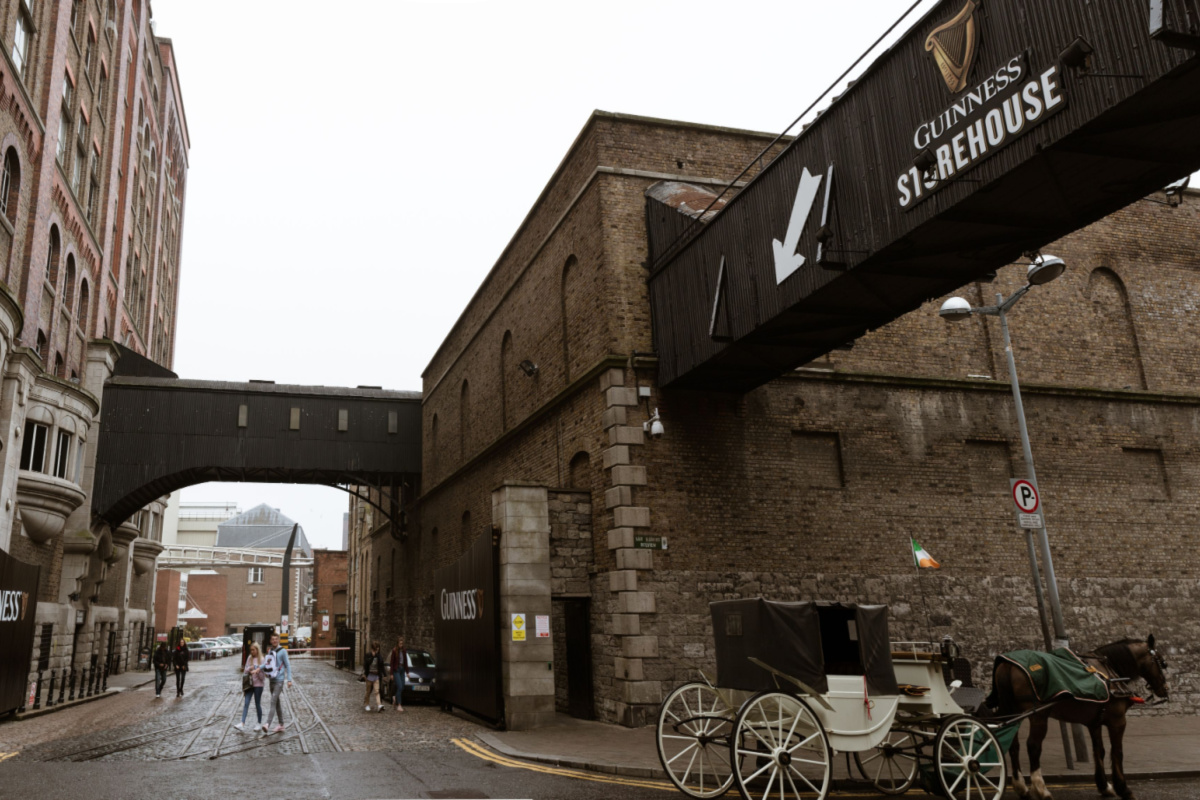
72,697
50,696
62,687
37,693
90,671
104,687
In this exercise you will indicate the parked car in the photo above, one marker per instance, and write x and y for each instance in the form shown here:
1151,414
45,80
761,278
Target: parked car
420,678
233,644
198,652
218,649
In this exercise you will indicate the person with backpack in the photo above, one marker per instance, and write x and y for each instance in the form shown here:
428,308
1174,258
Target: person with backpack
162,663
180,659
373,673
253,681
277,669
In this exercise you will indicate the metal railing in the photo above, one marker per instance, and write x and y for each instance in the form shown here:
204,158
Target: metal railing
186,555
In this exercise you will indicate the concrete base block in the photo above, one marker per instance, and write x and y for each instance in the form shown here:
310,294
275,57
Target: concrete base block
629,476
641,692
639,646
620,537
638,716
629,669
617,415
618,496
626,624
626,434
620,396
635,559
622,581
614,456
632,517
611,377
636,603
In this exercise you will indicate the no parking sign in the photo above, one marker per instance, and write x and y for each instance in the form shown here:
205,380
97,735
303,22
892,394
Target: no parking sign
1028,503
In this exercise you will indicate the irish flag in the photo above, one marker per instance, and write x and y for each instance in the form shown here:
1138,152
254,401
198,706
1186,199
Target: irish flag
922,558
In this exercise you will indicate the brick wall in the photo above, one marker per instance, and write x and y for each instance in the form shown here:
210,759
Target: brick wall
166,599
210,593
329,593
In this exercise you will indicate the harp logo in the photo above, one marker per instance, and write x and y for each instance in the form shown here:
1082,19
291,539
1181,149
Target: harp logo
953,47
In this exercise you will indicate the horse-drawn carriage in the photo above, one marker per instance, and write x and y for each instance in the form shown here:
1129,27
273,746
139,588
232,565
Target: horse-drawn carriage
797,682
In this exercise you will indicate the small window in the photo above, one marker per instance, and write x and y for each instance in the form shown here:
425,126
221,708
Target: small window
64,131
21,40
62,455
256,575
10,186
294,422
101,88
33,449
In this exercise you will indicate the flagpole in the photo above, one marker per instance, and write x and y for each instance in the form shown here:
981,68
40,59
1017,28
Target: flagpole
912,548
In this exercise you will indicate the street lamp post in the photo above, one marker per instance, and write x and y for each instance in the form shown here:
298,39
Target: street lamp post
1043,270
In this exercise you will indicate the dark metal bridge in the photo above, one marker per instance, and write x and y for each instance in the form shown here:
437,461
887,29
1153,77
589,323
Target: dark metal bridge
159,434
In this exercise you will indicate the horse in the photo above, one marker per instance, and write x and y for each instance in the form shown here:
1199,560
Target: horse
1128,658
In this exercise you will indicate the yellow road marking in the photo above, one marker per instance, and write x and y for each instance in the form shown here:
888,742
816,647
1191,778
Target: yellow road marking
6,756
480,752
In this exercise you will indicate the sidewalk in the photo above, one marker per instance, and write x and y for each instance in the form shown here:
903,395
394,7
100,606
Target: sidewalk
131,679
1155,747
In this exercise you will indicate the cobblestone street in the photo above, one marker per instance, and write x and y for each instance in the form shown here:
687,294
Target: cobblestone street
323,713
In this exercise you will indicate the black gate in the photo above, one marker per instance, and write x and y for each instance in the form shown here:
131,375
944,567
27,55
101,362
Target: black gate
18,602
346,659
466,631
579,656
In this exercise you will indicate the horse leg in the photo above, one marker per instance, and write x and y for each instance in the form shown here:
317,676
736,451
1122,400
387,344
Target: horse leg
1038,725
1098,755
1116,736
1014,755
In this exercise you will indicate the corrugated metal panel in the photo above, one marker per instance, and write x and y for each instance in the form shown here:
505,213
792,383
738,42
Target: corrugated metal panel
467,632
1115,139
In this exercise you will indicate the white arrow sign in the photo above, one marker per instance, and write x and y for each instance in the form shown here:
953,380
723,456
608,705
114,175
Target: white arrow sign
787,260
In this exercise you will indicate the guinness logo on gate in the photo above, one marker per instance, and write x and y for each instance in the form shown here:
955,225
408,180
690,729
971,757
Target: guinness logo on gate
953,47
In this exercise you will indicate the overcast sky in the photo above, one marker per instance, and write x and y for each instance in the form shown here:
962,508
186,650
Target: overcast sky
356,168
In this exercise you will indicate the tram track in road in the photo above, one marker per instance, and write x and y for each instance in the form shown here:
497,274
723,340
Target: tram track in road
300,733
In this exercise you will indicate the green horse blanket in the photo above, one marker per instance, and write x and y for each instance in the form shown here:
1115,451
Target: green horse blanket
1054,675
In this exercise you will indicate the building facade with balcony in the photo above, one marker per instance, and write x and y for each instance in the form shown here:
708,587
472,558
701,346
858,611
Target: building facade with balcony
94,146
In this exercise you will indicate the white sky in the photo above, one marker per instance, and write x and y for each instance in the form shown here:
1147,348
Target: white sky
356,168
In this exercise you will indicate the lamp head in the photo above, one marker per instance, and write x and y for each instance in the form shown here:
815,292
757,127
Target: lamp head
654,426
1045,269
528,367
955,309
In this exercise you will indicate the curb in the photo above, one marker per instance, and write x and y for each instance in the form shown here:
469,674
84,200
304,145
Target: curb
572,763
644,772
79,701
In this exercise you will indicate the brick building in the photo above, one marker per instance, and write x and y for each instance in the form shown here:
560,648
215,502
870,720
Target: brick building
166,599
330,576
808,487
94,144
208,590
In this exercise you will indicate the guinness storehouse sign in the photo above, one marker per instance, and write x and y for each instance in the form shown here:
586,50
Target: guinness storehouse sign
990,129
18,602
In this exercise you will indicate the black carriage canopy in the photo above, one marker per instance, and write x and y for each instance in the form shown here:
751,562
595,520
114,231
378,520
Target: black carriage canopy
807,641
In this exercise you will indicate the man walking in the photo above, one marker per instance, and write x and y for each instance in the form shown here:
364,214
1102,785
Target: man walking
278,669
162,662
180,658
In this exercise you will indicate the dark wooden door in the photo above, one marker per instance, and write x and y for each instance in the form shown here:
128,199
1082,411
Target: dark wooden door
579,657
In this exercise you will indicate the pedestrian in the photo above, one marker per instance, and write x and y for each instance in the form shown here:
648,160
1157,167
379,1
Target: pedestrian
374,673
253,680
399,665
180,659
162,663
278,669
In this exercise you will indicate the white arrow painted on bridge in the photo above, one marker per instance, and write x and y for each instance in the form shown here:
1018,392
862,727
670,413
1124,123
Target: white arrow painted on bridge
787,260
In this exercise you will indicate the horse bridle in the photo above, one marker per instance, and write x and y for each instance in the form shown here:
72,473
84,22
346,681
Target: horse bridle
1162,667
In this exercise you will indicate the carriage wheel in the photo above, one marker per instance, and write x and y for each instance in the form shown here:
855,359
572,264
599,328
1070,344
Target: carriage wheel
892,766
780,749
968,759
694,726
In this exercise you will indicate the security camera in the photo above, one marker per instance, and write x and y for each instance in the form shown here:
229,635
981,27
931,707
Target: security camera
654,426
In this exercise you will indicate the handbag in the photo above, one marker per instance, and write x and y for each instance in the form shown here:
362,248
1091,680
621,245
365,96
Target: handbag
247,683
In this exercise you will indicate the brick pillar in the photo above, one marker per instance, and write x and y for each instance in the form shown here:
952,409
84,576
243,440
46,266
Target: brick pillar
638,698
522,513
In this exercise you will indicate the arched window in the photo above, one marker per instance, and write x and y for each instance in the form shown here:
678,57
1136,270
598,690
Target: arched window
1114,356
464,540
10,186
506,368
464,418
60,370
43,348
580,471
84,312
69,288
52,254
568,269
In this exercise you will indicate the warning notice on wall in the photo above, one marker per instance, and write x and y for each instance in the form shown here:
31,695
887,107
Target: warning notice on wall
543,626
518,627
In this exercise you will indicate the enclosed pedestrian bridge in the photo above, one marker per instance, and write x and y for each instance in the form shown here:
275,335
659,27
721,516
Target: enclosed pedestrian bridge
992,128
160,433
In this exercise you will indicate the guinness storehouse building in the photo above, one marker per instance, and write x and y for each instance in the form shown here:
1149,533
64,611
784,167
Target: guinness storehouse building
669,390
94,143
